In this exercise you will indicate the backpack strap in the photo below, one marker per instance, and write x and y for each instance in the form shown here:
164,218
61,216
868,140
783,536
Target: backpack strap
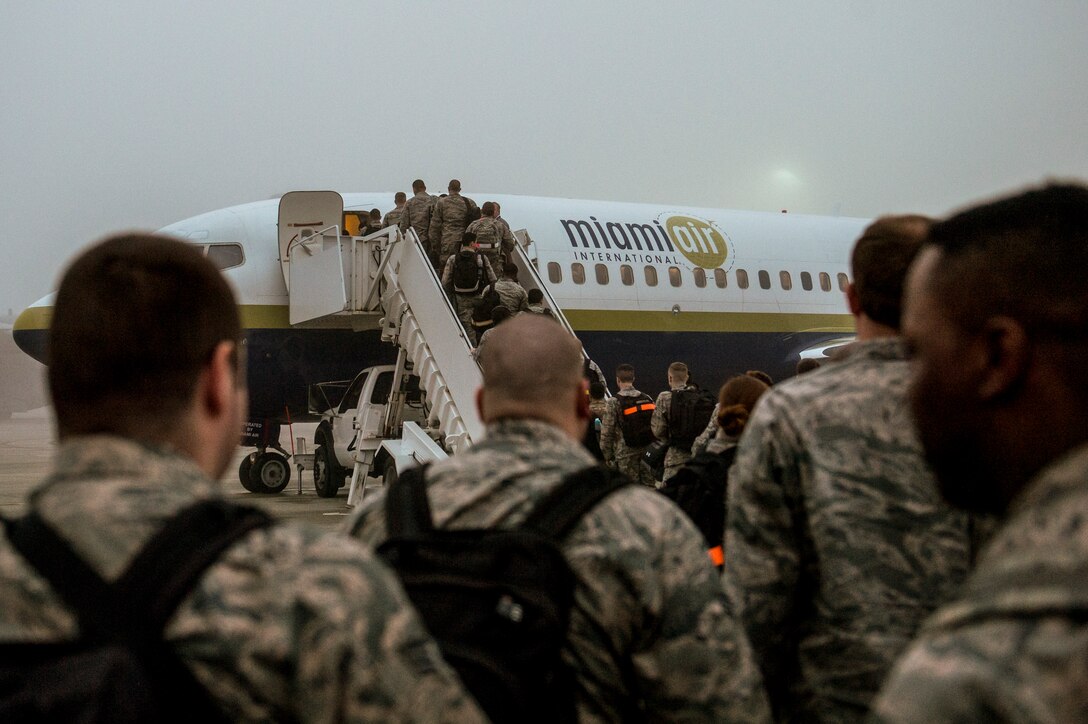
163,572
579,492
407,510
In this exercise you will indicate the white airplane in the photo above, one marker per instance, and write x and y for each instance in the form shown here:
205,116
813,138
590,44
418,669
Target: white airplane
645,284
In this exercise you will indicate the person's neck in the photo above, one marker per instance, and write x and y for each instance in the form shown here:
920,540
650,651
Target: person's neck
625,385
867,330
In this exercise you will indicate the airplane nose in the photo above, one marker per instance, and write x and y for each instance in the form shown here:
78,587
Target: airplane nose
31,329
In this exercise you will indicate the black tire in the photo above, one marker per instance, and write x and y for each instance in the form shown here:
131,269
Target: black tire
270,473
328,475
244,471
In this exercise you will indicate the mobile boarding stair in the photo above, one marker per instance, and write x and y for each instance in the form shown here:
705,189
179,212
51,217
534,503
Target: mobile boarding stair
385,281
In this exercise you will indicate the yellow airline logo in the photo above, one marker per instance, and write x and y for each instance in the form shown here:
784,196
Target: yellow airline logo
699,240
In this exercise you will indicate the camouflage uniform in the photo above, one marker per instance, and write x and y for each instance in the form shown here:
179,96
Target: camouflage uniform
650,623
702,443
1013,644
465,304
494,238
513,295
628,460
677,455
292,623
448,225
393,217
837,542
417,215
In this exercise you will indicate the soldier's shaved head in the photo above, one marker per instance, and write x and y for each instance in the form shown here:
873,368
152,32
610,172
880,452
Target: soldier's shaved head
455,186
532,369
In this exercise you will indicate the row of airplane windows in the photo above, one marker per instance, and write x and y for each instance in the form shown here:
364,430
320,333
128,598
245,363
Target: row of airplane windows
676,277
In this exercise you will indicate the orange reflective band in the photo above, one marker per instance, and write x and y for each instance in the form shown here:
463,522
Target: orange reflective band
644,407
717,555
647,406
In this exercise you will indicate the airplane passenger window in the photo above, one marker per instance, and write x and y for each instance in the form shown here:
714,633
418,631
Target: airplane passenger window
825,281
742,278
844,282
225,256
764,279
577,273
700,277
627,275
602,273
721,278
806,281
785,281
674,276
555,273
651,276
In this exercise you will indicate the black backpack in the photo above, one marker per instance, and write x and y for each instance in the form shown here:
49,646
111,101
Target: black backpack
481,312
472,211
497,600
689,412
468,270
119,669
633,416
699,489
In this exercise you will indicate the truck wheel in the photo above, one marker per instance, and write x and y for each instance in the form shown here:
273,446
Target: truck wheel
270,473
328,475
245,469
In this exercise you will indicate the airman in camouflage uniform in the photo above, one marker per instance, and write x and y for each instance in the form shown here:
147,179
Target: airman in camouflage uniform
838,544
492,236
677,455
997,319
650,625
417,215
466,303
290,623
393,217
628,460
449,221
513,295
358,654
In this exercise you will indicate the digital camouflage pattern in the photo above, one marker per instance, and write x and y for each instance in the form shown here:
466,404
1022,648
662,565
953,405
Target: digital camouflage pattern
650,624
513,295
494,238
417,215
1013,646
448,223
292,623
393,217
707,435
677,455
628,460
837,543
465,304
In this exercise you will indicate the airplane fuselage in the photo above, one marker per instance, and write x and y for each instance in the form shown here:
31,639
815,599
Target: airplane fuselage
723,291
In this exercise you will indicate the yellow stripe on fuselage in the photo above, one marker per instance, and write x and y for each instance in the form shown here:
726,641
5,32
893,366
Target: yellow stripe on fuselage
275,316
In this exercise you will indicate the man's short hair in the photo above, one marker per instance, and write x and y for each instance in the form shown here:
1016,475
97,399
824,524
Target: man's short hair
536,296
596,390
510,270
880,261
468,238
679,370
488,208
136,319
400,197
1023,257
418,185
455,185
625,373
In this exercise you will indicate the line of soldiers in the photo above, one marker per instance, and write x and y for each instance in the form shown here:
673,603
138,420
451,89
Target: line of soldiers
856,581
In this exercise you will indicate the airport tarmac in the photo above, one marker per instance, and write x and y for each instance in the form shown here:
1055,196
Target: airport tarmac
26,457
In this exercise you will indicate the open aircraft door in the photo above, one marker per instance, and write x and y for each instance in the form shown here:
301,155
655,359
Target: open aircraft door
310,254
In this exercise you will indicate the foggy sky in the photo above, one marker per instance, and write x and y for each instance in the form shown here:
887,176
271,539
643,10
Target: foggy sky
137,114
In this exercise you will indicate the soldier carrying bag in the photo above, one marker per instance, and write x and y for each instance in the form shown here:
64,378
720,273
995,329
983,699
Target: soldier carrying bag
497,600
633,417
689,413
699,489
468,271
119,669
